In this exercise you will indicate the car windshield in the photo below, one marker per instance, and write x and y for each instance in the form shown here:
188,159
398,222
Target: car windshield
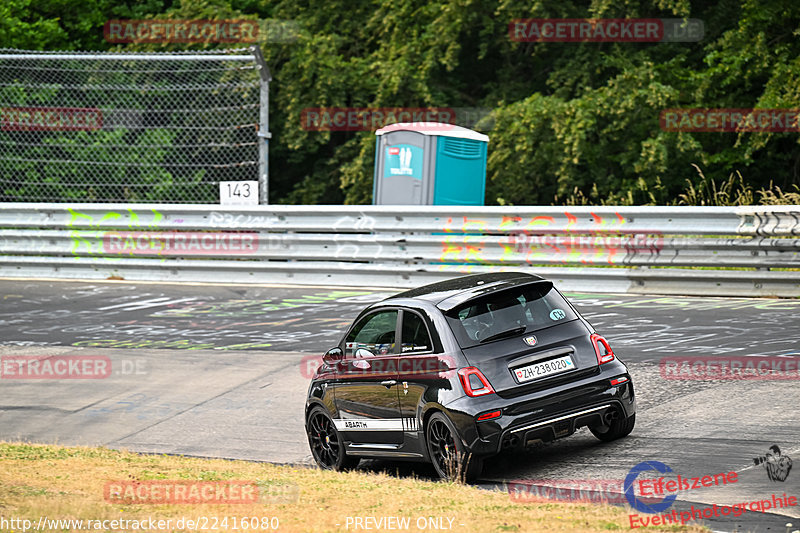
509,313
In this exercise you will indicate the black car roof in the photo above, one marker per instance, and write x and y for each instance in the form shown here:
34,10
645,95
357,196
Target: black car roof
449,294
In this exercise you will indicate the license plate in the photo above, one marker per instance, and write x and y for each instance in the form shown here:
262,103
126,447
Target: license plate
543,369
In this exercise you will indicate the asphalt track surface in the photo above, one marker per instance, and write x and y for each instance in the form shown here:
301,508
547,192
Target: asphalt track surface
222,371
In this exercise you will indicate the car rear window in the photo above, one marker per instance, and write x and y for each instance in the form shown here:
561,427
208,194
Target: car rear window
519,310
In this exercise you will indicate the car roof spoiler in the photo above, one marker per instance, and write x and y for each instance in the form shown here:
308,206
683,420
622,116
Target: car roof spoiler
450,303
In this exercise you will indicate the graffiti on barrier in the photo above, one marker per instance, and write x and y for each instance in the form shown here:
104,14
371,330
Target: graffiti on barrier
768,223
230,220
79,222
351,233
545,240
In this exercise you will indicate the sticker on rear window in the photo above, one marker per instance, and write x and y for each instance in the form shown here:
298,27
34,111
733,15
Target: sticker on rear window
557,314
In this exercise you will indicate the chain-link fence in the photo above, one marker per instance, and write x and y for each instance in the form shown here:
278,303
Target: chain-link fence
155,127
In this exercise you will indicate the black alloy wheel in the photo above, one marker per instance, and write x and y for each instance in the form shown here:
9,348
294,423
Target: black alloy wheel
448,456
326,443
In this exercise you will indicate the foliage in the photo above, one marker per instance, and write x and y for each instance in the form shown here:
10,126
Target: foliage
573,122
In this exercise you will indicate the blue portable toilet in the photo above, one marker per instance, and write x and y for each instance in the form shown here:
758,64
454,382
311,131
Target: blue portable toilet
429,163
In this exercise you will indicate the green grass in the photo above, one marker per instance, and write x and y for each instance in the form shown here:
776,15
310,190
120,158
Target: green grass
68,483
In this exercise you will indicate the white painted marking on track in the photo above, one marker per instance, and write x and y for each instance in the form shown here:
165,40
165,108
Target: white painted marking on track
146,304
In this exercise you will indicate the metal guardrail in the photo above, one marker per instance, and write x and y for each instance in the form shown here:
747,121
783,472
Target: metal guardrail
659,250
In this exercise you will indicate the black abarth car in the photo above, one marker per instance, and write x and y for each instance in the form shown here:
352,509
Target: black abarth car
457,371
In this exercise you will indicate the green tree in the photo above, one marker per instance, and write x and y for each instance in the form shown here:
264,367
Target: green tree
573,122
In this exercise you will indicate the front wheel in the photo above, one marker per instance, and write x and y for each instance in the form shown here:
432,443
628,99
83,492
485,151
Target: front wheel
326,443
450,459
620,427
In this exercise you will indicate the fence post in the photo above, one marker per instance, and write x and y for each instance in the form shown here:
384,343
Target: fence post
263,127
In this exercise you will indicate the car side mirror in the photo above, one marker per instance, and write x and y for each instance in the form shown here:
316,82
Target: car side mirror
333,356
363,353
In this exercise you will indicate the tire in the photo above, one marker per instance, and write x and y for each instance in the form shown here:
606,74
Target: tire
620,427
327,446
447,452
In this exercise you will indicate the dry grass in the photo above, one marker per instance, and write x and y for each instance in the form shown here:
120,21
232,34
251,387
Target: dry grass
61,482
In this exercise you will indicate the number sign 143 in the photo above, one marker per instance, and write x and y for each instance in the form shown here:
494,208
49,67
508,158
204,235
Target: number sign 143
238,192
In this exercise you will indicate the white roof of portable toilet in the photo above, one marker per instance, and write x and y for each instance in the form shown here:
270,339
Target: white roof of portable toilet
435,128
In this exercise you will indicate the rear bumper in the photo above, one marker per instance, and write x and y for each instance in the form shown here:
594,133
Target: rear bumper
546,415
554,428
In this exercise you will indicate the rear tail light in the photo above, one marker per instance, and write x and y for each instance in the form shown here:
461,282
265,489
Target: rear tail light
620,380
601,347
474,382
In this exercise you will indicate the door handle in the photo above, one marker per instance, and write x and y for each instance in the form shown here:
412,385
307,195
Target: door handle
389,383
